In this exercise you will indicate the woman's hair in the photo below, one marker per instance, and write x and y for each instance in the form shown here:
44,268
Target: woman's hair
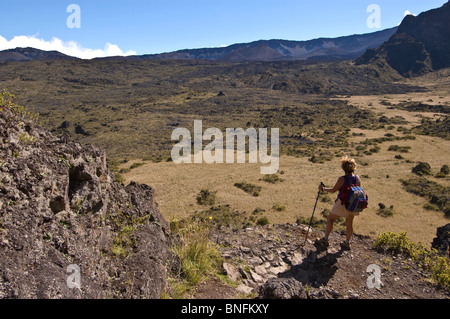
348,165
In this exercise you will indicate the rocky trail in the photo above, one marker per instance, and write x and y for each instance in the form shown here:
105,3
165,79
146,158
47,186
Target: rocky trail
273,262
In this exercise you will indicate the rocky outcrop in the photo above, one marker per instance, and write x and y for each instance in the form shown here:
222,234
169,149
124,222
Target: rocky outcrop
442,241
67,229
420,44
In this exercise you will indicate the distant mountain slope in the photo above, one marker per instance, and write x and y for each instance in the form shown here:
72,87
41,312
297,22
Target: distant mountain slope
31,54
342,48
420,45
347,47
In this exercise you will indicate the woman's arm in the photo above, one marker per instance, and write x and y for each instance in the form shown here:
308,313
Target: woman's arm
336,187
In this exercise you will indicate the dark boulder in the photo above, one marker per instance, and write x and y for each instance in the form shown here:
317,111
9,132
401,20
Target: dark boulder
442,241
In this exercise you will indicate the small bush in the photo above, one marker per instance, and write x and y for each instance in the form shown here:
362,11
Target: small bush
325,198
272,178
136,165
443,172
205,197
279,207
262,221
430,206
258,210
20,112
119,178
252,189
386,212
423,168
401,149
305,221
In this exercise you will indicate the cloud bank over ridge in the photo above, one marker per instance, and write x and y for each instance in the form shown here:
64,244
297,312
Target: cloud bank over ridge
71,48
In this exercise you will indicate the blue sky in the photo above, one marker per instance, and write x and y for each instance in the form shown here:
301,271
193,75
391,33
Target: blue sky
155,26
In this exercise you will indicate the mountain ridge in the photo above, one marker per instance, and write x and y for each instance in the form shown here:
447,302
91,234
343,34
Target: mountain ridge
420,45
339,48
32,54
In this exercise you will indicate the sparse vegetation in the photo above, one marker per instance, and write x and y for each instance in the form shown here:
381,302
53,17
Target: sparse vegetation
434,127
262,221
315,223
206,197
272,178
251,189
436,194
279,208
199,257
385,211
125,227
20,112
423,168
401,149
423,107
445,170
438,267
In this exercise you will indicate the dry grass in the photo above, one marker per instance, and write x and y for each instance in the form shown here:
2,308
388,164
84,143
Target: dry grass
178,185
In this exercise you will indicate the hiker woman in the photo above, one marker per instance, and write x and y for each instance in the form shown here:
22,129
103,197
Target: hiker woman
339,209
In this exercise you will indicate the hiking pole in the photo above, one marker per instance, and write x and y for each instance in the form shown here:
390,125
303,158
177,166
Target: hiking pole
310,221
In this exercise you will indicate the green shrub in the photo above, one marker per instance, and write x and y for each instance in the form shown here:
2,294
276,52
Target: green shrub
438,267
262,221
386,212
136,165
252,189
119,178
198,255
20,112
272,178
423,168
258,210
305,221
445,170
401,149
279,207
205,197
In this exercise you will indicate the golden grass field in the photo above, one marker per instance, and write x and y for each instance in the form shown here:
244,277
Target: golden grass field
177,186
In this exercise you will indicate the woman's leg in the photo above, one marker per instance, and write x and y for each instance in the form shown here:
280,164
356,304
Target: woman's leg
349,226
330,222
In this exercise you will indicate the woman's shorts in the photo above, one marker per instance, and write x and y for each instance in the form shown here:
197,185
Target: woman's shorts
340,210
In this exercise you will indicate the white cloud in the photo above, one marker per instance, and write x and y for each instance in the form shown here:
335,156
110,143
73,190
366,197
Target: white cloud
407,13
71,48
